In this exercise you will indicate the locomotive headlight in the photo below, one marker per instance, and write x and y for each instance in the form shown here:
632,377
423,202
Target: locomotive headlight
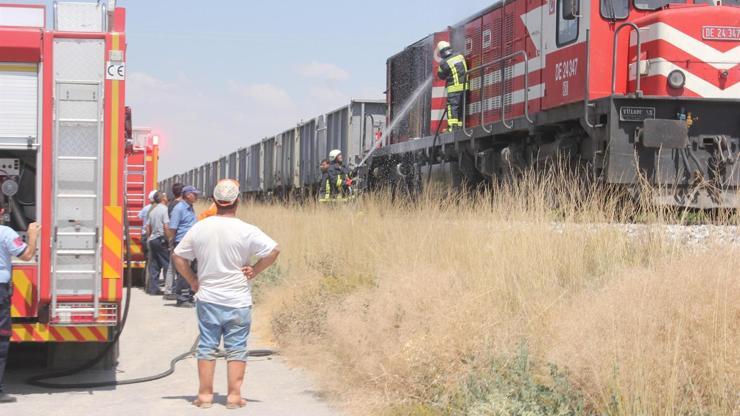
676,79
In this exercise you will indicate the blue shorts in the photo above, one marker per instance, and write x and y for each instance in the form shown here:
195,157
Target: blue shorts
217,321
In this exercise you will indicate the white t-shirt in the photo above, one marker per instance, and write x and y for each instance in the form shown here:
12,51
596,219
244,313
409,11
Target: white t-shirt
222,246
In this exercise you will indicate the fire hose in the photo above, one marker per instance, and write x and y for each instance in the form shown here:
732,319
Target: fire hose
39,380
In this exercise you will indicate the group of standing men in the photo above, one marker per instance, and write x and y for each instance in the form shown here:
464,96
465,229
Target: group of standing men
165,225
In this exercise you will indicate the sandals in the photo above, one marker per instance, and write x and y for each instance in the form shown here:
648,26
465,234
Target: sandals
229,405
201,404
233,405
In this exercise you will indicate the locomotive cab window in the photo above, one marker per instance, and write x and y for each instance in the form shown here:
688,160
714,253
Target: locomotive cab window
654,4
567,22
615,9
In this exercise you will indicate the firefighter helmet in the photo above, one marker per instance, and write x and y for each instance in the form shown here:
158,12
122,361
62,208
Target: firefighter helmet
333,154
443,49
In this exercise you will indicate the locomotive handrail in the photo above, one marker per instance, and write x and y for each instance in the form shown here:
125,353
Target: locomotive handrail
506,124
637,62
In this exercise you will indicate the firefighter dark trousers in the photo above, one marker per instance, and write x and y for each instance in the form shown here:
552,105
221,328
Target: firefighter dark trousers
454,109
4,328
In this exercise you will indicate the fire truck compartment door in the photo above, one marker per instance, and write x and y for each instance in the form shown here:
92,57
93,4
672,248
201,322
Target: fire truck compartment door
19,105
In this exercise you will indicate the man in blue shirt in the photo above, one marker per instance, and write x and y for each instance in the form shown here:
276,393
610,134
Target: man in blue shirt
181,220
11,244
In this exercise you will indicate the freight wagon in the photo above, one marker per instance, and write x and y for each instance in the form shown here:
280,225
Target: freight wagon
62,119
287,164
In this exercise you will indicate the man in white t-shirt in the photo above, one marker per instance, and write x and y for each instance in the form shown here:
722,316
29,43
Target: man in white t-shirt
224,246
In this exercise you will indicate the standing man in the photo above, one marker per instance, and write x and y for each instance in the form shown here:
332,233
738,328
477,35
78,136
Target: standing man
325,182
159,252
224,246
181,220
169,276
339,175
11,244
452,69
144,217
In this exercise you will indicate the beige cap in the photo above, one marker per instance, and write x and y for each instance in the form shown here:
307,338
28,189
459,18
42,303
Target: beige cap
226,192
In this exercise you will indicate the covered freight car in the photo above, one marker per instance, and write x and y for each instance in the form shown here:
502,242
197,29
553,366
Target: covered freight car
287,164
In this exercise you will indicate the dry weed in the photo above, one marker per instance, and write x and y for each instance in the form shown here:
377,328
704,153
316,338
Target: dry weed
481,305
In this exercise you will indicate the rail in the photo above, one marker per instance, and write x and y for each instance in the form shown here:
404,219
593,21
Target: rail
638,92
506,124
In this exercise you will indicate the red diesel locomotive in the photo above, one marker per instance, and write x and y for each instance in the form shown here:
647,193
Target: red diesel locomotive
629,89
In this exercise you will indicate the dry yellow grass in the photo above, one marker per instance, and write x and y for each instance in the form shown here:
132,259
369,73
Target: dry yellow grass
485,306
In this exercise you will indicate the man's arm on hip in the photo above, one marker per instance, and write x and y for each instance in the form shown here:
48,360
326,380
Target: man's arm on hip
252,271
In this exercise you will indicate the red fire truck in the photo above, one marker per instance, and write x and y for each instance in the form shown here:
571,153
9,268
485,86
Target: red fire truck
142,158
62,88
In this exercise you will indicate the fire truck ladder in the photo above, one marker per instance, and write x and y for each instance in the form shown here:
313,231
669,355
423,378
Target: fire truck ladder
77,215
136,190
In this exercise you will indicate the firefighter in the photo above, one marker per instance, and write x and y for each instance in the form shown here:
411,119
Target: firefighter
325,183
339,176
453,70
11,244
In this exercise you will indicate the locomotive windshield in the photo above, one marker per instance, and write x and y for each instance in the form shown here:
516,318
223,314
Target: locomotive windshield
654,4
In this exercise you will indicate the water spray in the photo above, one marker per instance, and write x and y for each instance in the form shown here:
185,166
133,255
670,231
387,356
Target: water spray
423,87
